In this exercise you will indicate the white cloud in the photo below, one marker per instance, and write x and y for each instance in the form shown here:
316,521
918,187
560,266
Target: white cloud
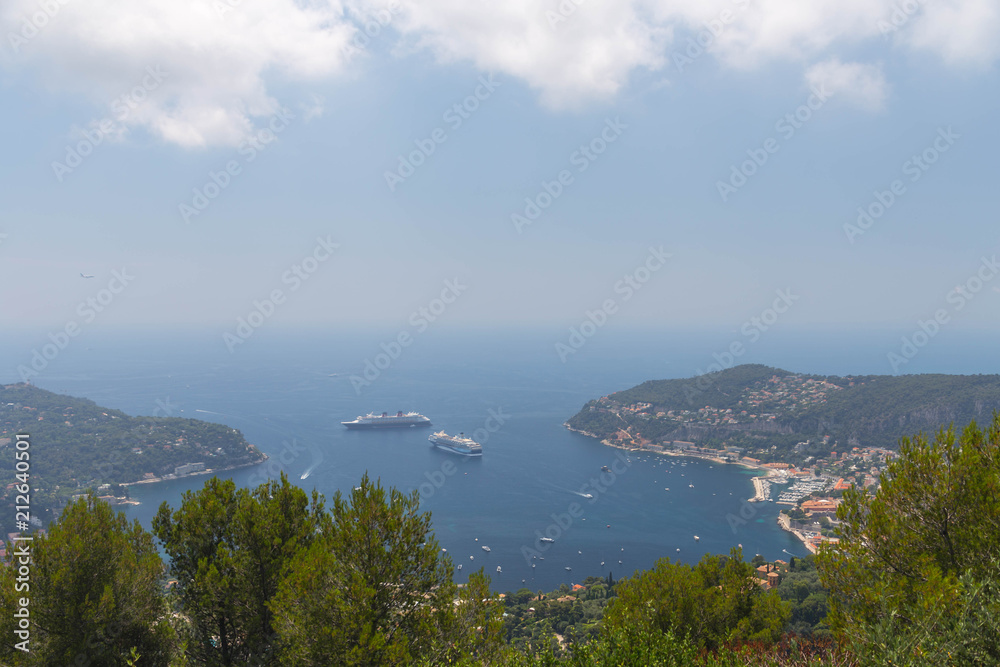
857,83
573,52
569,58
963,33
215,56
313,108
588,52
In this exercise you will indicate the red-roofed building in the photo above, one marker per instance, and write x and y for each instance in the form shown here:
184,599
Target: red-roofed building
820,506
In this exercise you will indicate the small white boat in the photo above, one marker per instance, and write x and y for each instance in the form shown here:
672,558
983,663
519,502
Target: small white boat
486,549
568,568
602,563
498,568
696,538
459,566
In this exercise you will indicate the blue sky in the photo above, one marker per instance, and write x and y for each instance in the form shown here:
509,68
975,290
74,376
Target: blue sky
181,90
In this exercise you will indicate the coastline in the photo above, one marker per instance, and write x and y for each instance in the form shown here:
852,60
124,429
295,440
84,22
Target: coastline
785,522
758,480
765,472
207,471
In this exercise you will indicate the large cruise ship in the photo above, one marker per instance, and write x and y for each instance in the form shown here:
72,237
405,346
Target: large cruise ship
456,444
385,420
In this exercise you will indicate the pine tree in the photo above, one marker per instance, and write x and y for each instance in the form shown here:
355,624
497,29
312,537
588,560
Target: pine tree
918,562
96,591
376,590
228,549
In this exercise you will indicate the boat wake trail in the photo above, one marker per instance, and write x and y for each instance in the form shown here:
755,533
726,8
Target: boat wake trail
212,412
575,493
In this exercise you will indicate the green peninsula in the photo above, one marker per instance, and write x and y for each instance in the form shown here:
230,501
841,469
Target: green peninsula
77,445
776,415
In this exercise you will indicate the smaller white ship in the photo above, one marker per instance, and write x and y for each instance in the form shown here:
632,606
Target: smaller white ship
456,444
486,549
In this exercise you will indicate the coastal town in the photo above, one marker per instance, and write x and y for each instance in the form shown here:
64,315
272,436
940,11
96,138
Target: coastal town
809,495
806,478
779,396
758,422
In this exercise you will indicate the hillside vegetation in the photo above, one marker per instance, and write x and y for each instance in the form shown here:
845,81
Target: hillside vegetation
781,407
76,445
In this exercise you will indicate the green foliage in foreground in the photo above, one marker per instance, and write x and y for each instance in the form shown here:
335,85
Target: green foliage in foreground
715,602
95,593
914,579
374,590
229,549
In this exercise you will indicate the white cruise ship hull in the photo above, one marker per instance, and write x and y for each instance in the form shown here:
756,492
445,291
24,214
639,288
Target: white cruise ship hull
456,445
462,452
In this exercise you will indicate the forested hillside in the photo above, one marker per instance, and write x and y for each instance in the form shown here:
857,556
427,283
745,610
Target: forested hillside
76,444
870,410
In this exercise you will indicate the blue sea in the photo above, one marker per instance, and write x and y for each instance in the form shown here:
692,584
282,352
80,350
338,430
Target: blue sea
288,392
